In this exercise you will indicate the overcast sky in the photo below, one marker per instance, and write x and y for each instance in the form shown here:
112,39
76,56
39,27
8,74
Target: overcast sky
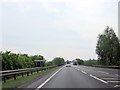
56,28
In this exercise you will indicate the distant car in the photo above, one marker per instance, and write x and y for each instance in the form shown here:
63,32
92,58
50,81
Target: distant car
68,65
74,63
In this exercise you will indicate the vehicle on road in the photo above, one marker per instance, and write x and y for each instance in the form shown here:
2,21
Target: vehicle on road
68,65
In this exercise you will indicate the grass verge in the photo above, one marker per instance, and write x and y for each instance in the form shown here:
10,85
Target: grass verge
11,83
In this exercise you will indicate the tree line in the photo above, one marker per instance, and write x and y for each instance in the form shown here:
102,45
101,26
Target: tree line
56,61
12,61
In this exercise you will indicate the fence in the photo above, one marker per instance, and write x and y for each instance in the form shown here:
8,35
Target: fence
14,73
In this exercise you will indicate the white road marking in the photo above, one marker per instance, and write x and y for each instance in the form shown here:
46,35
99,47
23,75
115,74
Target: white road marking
99,79
103,72
48,79
78,69
110,78
117,86
114,81
83,72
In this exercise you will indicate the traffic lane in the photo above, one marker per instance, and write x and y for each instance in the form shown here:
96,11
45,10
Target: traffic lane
110,71
112,79
69,77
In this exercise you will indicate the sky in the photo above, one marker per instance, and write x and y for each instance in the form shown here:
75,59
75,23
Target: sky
56,28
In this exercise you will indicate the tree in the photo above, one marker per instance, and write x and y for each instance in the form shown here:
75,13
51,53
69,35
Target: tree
58,61
91,62
50,63
79,61
11,61
6,61
108,47
37,57
68,62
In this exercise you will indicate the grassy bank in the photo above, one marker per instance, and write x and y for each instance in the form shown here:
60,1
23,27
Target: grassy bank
11,83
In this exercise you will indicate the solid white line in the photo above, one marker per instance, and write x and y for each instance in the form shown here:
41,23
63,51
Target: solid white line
48,79
99,79
83,72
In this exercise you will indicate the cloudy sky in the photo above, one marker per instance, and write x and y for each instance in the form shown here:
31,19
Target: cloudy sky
52,28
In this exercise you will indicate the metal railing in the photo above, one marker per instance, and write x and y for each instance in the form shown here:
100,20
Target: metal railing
14,73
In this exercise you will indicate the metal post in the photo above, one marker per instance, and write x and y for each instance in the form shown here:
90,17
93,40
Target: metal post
27,73
14,76
31,72
4,79
22,75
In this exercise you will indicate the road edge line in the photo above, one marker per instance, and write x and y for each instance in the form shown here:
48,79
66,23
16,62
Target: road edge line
40,86
98,79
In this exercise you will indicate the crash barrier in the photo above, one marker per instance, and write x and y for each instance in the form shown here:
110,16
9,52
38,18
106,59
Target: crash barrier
14,73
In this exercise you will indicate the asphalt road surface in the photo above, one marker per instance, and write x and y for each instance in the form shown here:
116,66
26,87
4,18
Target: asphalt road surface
79,77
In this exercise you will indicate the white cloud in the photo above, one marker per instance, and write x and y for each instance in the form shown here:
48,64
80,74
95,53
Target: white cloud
24,8
49,8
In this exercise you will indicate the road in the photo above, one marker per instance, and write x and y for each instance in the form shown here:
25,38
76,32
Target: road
79,77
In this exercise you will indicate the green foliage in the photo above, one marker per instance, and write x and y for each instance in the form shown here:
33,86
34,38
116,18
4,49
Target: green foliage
79,61
58,61
50,63
91,62
37,57
11,61
108,48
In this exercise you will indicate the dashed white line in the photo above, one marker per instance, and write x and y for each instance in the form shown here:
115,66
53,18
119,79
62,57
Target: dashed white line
48,79
78,69
83,72
99,79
